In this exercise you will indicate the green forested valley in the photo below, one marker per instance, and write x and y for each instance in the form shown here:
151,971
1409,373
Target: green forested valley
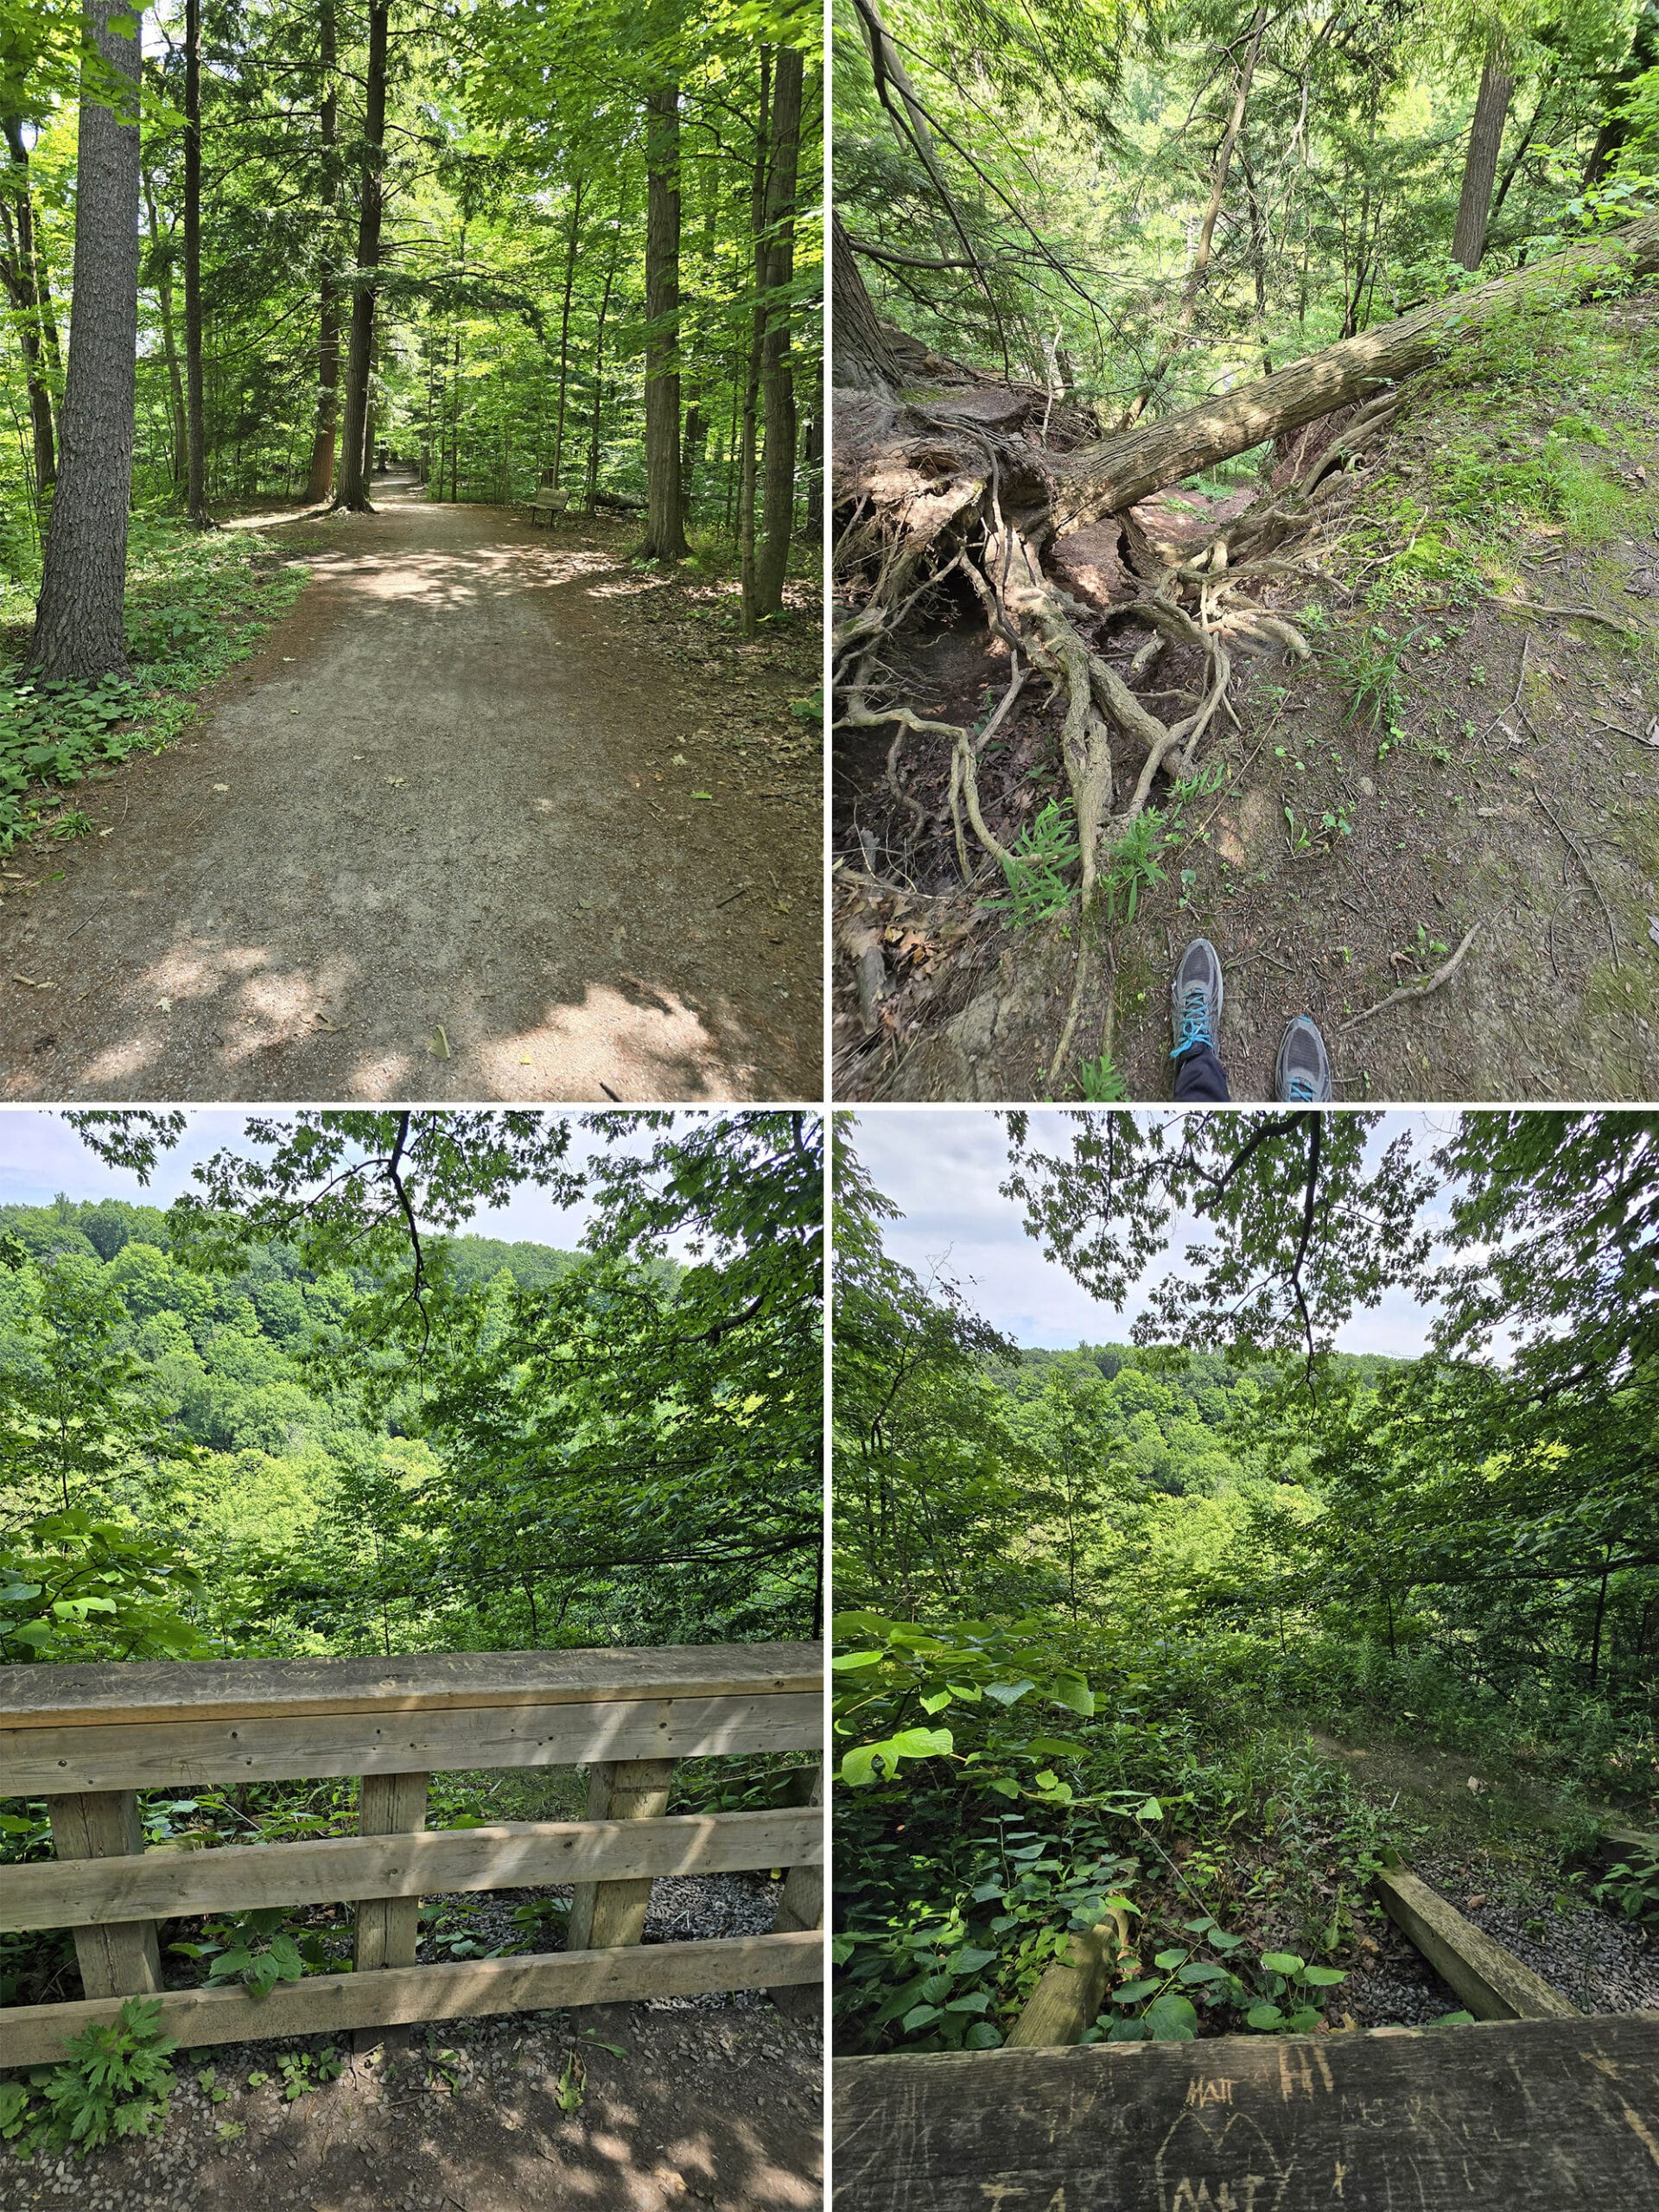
305,1409
1176,1643
1245,511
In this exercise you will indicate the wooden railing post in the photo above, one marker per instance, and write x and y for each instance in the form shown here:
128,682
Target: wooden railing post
801,1906
386,1929
603,1914
120,1958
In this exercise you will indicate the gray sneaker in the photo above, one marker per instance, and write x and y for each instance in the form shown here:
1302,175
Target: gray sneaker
1302,1072
1195,998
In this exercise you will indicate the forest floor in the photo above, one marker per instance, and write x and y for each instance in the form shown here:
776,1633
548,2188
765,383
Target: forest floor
491,813
1411,782
652,2107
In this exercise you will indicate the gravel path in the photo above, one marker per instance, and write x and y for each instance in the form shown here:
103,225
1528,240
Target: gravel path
462,827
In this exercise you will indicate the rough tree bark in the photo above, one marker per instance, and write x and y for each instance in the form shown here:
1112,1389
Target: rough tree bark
320,480
777,375
353,489
749,436
1480,163
564,331
79,630
599,371
195,490
161,252
664,514
25,282
868,351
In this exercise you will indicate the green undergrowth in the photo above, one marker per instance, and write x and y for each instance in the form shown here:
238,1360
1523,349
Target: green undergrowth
1027,1783
196,604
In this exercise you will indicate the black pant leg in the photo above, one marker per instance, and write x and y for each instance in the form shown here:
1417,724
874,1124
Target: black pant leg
1200,1074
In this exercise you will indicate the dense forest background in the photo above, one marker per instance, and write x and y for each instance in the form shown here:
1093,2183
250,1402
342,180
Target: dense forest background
1127,1628
1132,207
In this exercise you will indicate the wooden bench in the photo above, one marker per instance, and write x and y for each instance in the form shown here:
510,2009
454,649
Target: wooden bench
547,502
87,1738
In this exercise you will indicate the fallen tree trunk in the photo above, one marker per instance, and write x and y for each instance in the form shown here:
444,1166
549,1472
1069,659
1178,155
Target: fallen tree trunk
1105,479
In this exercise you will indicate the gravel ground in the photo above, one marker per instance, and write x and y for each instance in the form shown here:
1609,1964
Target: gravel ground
1598,1960
679,2102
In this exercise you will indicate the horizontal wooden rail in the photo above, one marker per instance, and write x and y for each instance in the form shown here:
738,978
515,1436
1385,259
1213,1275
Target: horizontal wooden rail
39,1760
1531,2115
169,1885
427,1681
1492,1982
32,2034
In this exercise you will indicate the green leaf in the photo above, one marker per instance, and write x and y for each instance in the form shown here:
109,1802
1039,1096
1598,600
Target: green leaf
1171,2018
982,2037
1152,1810
1133,1991
1323,1977
920,2016
1264,2016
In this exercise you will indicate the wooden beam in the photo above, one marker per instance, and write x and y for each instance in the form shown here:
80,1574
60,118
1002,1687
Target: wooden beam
38,1759
230,1690
1531,2115
522,1854
120,1958
32,2034
385,1929
603,1913
1492,1982
801,1906
1071,1991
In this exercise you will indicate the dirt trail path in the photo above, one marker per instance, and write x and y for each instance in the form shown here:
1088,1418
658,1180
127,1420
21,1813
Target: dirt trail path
456,799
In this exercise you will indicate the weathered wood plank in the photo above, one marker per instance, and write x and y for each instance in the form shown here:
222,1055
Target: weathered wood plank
32,2035
602,1913
1492,1982
136,1755
121,1958
527,1854
385,1929
801,1906
232,1689
1530,2115
1070,1992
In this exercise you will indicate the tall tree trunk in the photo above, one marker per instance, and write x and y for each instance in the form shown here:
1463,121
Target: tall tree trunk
1199,268
664,520
25,283
564,331
599,368
79,629
812,470
321,482
1480,163
748,436
353,489
161,256
777,372
195,492
694,442
865,357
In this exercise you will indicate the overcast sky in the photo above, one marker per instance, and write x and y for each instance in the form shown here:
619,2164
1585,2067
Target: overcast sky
943,1166
41,1155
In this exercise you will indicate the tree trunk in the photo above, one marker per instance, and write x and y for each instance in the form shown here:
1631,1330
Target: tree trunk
1199,268
195,492
353,489
1480,163
777,373
564,332
25,283
320,483
746,549
865,357
665,518
79,629
599,368
160,255
1107,478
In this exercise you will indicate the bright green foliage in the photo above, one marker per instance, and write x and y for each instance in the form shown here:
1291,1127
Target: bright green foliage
115,2083
1037,867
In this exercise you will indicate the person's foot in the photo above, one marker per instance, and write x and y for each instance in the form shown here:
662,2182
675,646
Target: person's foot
1195,998
1302,1072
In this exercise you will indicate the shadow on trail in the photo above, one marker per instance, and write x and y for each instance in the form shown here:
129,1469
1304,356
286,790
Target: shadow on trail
443,836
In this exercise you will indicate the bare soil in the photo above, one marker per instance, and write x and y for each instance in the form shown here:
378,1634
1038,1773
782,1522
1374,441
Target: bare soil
1336,861
491,814
694,2108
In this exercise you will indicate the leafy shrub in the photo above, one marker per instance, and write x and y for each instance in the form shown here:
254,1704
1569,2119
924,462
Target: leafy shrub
115,2082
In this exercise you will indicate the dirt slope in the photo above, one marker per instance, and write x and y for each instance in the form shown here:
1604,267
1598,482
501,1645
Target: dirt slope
1356,833
465,801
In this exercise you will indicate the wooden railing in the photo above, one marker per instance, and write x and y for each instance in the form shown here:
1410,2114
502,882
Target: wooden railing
87,1738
